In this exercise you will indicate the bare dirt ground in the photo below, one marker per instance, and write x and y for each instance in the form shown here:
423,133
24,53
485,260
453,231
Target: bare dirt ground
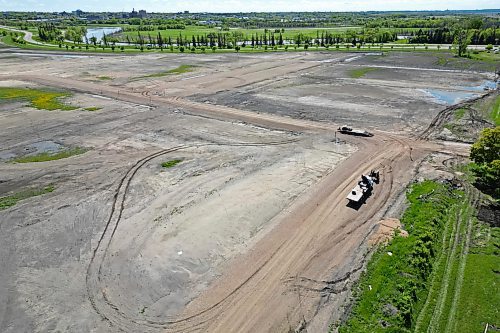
250,232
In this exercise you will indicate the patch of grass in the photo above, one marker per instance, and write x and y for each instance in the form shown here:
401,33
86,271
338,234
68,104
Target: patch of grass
93,108
171,163
459,114
495,112
179,70
393,289
39,99
44,157
11,200
360,72
481,276
104,78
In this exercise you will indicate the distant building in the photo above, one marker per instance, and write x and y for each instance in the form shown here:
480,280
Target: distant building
141,14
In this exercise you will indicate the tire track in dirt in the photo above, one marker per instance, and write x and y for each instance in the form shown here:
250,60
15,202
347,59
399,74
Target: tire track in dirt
443,115
94,270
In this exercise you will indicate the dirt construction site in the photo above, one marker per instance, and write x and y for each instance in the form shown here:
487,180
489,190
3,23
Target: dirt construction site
250,231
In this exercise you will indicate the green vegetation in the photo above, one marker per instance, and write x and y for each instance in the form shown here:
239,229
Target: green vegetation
40,99
11,200
360,72
93,108
171,163
104,78
485,154
495,112
394,289
43,157
179,70
480,276
459,113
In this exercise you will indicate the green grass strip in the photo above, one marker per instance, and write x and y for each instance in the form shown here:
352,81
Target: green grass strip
360,72
39,99
171,163
179,70
495,112
44,157
11,200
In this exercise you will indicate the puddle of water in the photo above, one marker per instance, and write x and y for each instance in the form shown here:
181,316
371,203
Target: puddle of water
466,92
98,33
32,149
486,85
43,147
7,155
449,97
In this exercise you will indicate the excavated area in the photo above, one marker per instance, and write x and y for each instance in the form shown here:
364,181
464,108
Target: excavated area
249,231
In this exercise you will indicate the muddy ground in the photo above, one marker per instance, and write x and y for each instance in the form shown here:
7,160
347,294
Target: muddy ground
247,225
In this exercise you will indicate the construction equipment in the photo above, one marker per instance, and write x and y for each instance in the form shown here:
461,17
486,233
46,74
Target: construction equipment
364,187
352,131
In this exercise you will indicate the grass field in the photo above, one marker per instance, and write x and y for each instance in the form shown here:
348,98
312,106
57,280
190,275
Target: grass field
44,157
481,276
39,99
11,200
193,30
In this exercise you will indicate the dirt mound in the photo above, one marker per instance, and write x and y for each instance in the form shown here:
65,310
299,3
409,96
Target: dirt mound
385,230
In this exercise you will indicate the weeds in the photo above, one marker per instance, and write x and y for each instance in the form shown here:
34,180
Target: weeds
44,157
39,99
171,163
179,70
11,200
360,72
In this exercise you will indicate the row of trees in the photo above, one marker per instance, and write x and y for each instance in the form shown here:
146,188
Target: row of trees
268,38
447,36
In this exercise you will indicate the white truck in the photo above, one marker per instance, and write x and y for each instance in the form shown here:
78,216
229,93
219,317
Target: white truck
364,187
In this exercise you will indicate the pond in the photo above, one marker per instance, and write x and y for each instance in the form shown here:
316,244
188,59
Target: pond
452,97
100,31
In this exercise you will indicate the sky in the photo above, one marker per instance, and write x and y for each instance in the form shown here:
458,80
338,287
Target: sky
171,6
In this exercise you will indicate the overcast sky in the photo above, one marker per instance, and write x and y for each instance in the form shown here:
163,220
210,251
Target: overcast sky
243,5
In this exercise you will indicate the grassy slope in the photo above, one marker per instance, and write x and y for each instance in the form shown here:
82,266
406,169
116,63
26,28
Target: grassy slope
40,99
495,112
400,282
480,303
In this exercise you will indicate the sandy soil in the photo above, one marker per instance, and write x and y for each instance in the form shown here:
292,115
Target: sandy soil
249,233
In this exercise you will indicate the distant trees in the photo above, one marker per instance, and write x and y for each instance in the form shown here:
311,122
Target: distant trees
49,32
